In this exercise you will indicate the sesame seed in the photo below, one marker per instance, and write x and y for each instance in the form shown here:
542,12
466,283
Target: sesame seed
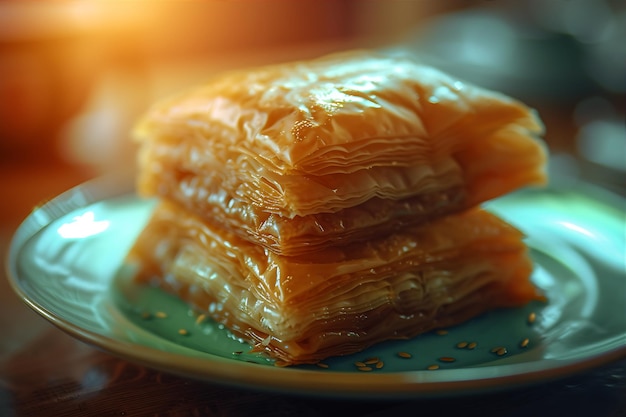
322,365
359,364
364,368
371,361
442,332
160,314
405,355
447,359
200,318
532,317
524,343
501,351
472,345
183,332
433,367
379,364
462,345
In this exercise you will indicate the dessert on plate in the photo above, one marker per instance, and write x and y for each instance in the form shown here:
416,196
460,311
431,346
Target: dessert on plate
318,207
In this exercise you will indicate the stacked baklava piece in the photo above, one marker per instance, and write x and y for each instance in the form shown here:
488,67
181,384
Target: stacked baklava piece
317,208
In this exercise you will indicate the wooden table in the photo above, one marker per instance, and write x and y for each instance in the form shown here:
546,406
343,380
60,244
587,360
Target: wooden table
45,372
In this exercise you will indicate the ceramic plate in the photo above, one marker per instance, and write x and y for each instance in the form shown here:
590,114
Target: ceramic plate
67,263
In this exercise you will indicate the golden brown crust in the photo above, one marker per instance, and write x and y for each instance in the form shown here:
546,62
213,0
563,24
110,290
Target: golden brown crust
341,299
320,136
316,208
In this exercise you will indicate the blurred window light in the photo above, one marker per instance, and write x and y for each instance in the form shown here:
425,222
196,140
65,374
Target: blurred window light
464,36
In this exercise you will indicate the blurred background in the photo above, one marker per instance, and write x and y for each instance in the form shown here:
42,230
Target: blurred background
74,76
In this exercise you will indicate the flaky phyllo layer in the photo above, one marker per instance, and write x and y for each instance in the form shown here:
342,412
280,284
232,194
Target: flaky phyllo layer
253,149
316,208
304,309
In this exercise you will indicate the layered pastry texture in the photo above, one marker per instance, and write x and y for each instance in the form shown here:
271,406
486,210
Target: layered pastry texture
377,142
339,300
316,208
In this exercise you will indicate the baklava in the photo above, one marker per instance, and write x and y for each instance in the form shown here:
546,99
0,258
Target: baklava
318,207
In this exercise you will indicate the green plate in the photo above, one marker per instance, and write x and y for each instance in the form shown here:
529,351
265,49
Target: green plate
66,262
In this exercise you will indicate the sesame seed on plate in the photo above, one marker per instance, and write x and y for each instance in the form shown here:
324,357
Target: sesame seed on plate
499,350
